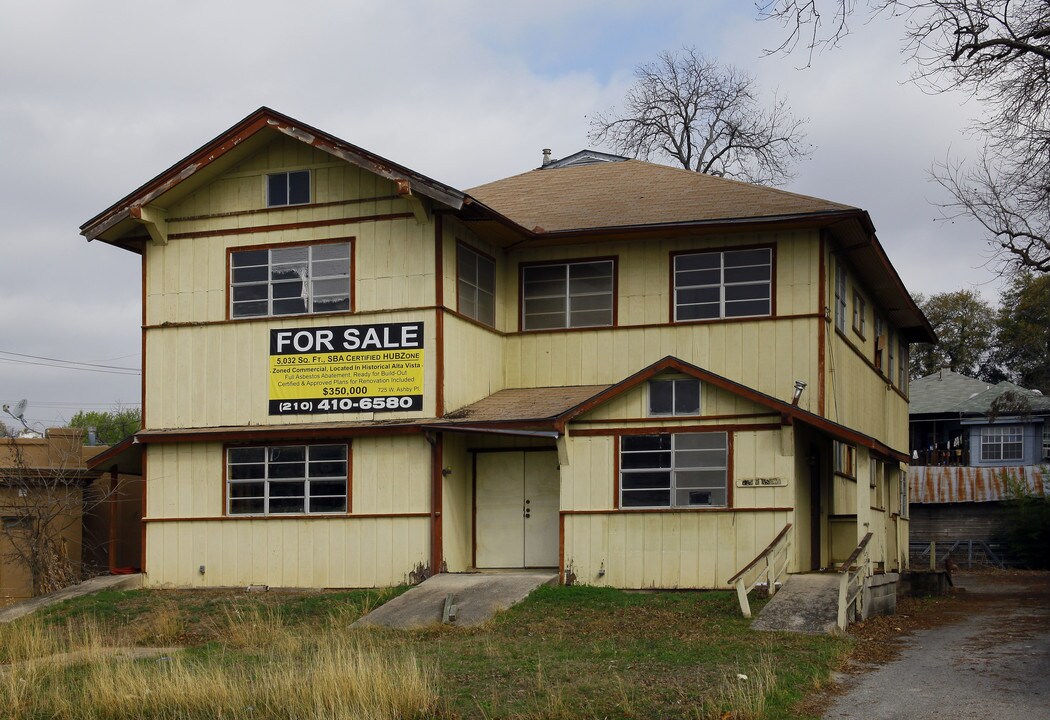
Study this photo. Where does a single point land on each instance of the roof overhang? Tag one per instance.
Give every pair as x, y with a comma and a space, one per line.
120, 223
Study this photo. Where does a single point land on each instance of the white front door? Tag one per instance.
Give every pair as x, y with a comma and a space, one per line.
517, 509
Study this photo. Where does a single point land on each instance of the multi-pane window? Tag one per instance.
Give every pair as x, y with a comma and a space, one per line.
290, 280
286, 479
679, 396
1046, 439
845, 459
288, 188
477, 285
567, 295
903, 486
889, 354
733, 283
1002, 442
840, 295
673, 470
903, 367
860, 311
880, 342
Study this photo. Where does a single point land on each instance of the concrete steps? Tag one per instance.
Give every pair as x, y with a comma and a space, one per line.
477, 597
806, 603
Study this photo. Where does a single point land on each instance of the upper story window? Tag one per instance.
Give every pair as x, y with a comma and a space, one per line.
1002, 442
860, 313
290, 280
731, 283
288, 188
674, 470
880, 342
567, 295
477, 285
845, 459
840, 295
903, 366
680, 396
889, 354
287, 479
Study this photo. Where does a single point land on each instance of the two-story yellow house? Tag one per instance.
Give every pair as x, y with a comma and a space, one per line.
355, 375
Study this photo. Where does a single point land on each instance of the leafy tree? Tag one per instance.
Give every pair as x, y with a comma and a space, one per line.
706, 117
110, 427
1023, 331
965, 327
997, 51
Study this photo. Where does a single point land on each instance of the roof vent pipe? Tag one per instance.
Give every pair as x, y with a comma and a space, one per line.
944, 366
546, 157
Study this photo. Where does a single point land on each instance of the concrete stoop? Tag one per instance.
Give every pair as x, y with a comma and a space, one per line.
806, 603
477, 597
94, 585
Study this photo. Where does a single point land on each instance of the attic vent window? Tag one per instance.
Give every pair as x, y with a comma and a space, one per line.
288, 188
680, 396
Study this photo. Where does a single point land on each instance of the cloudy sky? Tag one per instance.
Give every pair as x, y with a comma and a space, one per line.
96, 98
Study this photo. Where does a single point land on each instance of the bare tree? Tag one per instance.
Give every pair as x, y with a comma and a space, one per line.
999, 52
706, 117
42, 500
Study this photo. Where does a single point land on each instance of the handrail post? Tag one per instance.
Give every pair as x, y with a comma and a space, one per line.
843, 591
741, 595
770, 575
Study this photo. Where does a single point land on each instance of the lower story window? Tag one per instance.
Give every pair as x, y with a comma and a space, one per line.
286, 479
1001, 442
674, 470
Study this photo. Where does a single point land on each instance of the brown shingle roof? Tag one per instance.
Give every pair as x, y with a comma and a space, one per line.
631, 193
520, 404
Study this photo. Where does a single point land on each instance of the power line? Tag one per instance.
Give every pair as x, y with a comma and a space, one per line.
67, 367
69, 362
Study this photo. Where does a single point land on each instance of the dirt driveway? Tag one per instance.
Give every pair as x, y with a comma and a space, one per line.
993, 663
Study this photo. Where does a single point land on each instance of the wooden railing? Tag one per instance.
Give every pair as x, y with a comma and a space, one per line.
854, 571
776, 557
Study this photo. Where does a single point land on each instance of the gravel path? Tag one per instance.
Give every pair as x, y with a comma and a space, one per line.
995, 663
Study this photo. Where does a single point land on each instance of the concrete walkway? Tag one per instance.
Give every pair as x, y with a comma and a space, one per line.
94, 585
478, 596
993, 663
807, 603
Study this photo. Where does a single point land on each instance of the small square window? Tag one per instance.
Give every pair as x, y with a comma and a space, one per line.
288, 188
680, 396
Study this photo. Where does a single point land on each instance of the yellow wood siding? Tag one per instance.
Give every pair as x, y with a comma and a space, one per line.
390, 475
633, 405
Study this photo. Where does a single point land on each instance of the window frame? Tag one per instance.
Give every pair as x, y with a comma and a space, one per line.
999, 439
479, 254
722, 317
844, 459
860, 312
841, 289
903, 365
614, 292
674, 382
228, 481
288, 180
1046, 439
232, 250
672, 487
879, 326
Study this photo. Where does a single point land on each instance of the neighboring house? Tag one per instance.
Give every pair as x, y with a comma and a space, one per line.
354, 375
974, 444
42, 480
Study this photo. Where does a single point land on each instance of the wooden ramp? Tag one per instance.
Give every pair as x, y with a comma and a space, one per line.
806, 603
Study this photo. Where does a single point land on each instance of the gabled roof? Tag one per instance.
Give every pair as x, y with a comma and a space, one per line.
583, 157
948, 392
633, 193
263, 121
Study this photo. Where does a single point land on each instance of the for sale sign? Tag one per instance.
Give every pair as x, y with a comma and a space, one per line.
346, 369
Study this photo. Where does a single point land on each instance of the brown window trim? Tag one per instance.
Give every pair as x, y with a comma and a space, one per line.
495, 282
772, 283
568, 261
859, 313
730, 473
349, 479
278, 246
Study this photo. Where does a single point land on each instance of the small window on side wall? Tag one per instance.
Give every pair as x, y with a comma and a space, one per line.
678, 396
477, 285
288, 188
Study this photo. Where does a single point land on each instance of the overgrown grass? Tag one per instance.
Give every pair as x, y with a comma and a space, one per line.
574, 652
